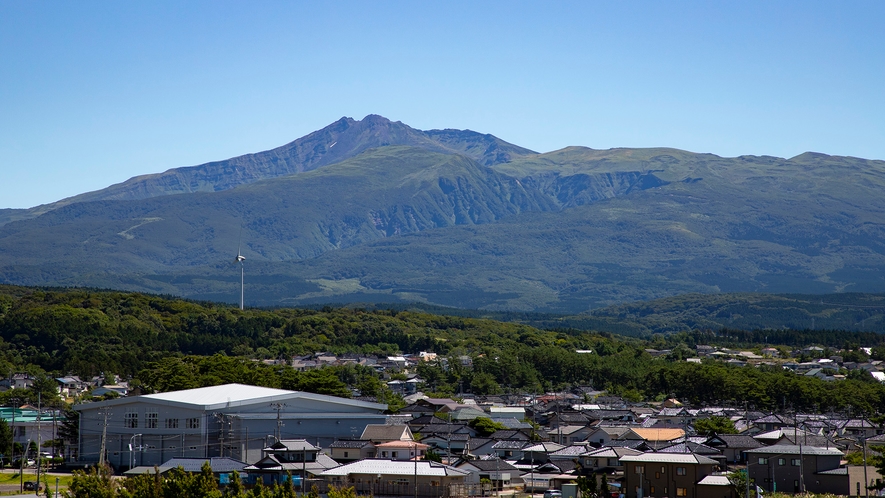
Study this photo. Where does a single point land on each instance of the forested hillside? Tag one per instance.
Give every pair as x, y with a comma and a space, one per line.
165, 344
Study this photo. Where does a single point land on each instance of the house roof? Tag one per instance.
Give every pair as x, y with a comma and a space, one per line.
791, 449
655, 434
733, 441
380, 432
218, 464
494, 464
668, 458
350, 443
714, 481
292, 445
612, 452
376, 466
690, 447
402, 444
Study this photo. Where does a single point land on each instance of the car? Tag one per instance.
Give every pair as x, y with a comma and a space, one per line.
30, 486
553, 493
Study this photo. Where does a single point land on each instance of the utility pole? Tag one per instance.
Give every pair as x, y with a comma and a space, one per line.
39, 412
104, 434
415, 446
279, 407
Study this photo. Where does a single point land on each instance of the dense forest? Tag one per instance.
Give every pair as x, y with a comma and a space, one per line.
164, 344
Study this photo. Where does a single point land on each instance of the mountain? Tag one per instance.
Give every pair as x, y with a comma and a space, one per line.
340, 140
456, 218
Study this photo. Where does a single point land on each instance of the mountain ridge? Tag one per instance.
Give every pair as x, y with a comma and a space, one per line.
340, 140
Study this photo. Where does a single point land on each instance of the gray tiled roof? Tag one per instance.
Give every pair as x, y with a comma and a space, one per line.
218, 464
791, 449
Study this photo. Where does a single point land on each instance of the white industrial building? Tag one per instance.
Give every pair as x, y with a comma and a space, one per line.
231, 420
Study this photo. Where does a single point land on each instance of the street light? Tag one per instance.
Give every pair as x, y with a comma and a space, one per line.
132, 450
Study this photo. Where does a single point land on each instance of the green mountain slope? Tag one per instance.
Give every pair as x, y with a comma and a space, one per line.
381, 193
337, 142
566, 231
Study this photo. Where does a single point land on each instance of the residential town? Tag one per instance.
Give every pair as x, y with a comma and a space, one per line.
467, 446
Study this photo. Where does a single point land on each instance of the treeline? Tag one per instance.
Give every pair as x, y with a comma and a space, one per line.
163, 344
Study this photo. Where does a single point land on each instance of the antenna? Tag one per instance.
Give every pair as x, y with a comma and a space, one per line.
239, 259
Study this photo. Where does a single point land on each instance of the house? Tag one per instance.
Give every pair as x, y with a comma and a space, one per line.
349, 450
606, 459
401, 450
71, 385
219, 466
733, 446
570, 434
384, 433
214, 421
290, 457
604, 435
667, 475
501, 473
796, 469
655, 437
396, 477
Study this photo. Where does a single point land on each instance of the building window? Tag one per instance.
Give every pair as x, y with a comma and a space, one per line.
130, 421
640, 469
680, 471
193, 423
781, 461
681, 491
652, 490
657, 475
345, 454
763, 461
392, 454
794, 462
150, 420
172, 423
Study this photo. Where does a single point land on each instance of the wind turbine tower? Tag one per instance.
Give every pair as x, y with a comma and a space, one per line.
239, 259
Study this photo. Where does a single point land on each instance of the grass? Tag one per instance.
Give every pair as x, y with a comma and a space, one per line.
11, 477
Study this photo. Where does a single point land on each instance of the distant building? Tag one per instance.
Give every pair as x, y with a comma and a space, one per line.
231, 420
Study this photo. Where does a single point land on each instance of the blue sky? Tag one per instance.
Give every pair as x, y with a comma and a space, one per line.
92, 93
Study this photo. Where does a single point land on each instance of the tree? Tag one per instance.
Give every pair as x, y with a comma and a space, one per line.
485, 426
96, 482
5, 440
342, 492
714, 425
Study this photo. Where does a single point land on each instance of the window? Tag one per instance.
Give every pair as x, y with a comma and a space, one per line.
680, 471
681, 491
172, 423
651, 490
345, 454
794, 462
763, 461
193, 423
657, 475
192, 448
392, 454
130, 420
640, 469
781, 461
150, 420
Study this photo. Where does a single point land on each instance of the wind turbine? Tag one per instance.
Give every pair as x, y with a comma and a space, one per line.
239, 259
